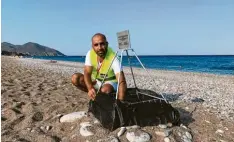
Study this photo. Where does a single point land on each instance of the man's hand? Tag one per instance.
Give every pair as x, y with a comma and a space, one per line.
92, 93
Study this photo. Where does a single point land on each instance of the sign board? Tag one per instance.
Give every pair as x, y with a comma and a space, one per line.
123, 39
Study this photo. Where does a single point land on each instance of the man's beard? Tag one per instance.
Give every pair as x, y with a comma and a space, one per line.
101, 54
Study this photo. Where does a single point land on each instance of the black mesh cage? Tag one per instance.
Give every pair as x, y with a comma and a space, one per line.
140, 107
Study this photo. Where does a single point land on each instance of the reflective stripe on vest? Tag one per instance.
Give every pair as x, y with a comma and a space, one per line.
99, 74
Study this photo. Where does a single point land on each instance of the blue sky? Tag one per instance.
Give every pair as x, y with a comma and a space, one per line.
157, 27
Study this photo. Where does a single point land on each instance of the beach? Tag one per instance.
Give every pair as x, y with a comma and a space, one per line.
36, 93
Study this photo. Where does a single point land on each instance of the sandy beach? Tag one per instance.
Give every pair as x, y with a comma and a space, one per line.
36, 93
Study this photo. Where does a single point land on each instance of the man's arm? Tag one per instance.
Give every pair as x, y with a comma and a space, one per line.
88, 81
122, 85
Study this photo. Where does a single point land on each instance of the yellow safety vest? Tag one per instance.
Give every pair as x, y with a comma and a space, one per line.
99, 74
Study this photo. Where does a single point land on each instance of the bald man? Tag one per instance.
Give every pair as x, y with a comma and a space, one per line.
97, 63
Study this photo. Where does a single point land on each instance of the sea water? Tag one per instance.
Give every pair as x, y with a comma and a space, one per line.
215, 64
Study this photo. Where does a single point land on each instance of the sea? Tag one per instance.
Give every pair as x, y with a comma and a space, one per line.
213, 64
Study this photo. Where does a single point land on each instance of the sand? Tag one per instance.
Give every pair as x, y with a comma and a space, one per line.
36, 93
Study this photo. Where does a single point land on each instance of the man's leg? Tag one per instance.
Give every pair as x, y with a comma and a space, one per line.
107, 88
78, 81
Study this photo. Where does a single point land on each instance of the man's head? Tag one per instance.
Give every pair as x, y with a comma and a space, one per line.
99, 44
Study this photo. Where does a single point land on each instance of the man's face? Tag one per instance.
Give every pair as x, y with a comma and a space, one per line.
99, 45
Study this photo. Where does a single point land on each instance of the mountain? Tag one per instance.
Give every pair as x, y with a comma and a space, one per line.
30, 48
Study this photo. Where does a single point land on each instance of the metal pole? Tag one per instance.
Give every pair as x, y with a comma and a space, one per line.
120, 64
107, 71
148, 73
129, 62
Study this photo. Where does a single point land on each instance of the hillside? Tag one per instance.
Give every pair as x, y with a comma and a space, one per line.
30, 48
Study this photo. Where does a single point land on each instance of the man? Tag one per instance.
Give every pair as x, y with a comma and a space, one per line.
97, 62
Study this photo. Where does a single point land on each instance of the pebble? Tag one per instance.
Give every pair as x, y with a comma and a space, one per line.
109, 139
84, 129
166, 139
29, 129
188, 135
162, 126
169, 125
96, 121
48, 128
165, 133
133, 127
121, 132
143, 137
182, 125
73, 116
219, 131
207, 121
38, 116
187, 140
179, 134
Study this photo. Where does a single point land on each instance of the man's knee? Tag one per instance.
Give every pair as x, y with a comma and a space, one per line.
107, 88
76, 78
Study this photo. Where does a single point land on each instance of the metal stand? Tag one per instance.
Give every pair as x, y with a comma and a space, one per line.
122, 50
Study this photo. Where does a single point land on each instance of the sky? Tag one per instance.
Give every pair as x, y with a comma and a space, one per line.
157, 27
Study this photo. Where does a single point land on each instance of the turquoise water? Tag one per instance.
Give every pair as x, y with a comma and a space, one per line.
215, 64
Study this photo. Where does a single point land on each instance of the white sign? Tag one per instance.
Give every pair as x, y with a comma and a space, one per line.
123, 39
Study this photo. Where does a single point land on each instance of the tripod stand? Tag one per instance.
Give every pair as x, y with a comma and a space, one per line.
121, 58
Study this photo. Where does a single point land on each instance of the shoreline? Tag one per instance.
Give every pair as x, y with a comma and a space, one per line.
183, 71
32, 86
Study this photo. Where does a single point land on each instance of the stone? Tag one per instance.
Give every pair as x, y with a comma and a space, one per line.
140, 137
219, 131
73, 116
160, 133
165, 133
121, 132
96, 121
166, 139
85, 129
188, 135
48, 128
133, 127
162, 126
38, 116
182, 125
169, 125
109, 139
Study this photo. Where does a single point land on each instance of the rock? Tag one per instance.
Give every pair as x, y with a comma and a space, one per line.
185, 139
96, 121
165, 133
219, 131
159, 133
38, 116
48, 128
188, 135
138, 136
182, 125
73, 116
207, 121
121, 132
133, 127
162, 126
85, 129
42, 127
109, 139
169, 125
166, 139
